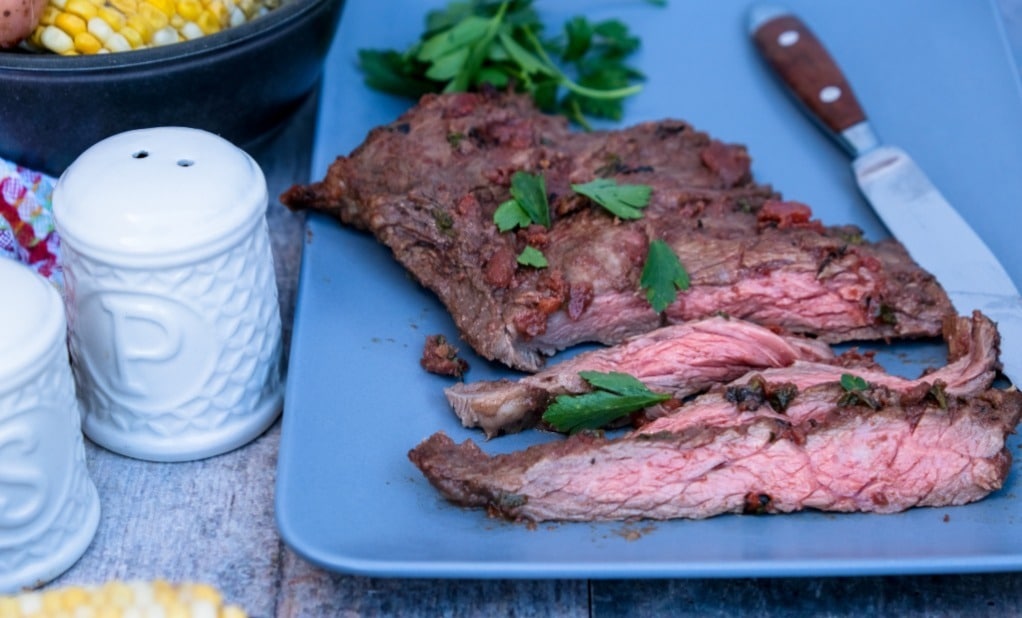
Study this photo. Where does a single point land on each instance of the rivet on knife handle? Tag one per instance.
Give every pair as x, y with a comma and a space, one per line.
803, 63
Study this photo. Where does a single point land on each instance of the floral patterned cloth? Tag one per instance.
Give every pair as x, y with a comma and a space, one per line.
26, 220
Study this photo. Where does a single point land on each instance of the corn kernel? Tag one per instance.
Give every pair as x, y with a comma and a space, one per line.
9, 608
176, 610
190, 30
208, 22
56, 40
126, 7
116, 43
153, 16
131, 37
165, 36
205, 592
98, 28
114, 18
202, 609
74, 596
71, 24
81, 8
165, 6
49, 15
141, 26
117, 593
86, 43
189, 10
220, 11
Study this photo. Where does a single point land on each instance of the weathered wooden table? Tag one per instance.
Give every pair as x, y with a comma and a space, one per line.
213, 521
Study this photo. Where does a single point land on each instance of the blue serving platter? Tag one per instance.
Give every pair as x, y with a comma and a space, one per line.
935, 76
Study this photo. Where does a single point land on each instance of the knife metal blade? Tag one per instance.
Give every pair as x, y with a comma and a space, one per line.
907, 202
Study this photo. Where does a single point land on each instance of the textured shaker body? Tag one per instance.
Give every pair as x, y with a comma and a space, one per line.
49, 508
175, 330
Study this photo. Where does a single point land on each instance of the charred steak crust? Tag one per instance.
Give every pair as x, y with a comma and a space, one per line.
427, 186
820, 455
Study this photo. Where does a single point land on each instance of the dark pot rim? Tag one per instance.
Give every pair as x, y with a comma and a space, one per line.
276, 20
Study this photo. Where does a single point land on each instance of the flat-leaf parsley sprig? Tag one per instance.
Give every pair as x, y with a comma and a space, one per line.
663, 276
528, 205
582, 72
614, 395
624, 201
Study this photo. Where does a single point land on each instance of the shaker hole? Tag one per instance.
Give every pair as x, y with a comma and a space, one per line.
185, 162
141, 154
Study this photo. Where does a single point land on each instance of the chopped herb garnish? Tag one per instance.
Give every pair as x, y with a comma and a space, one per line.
615, 395
529, 190
887, 314
938, 394
528, 203
582, 72
662, 276
853, 383
624, 201
856, 392
756, 392
510, 215
531, 256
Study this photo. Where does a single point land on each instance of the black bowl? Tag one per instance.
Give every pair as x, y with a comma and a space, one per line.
241, 83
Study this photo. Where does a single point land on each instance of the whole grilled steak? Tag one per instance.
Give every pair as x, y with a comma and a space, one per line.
427, 186
824, 451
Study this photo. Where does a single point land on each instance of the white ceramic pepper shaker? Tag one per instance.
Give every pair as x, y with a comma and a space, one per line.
171, 296
49, 508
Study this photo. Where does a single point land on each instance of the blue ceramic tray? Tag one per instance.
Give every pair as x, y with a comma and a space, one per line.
935, 76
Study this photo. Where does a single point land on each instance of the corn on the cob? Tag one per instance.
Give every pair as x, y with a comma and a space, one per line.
121, 600
72, 27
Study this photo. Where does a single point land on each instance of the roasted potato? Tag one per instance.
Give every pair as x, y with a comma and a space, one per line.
17, 20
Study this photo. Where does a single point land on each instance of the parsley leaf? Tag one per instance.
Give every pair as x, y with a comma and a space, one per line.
470, 43
528, 203
531, 256
856, 392
529, 190
662, 276
852, 383
615, 395
624, 201
510, 215
389, 71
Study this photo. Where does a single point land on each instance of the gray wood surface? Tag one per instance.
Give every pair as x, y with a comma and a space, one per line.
213, 521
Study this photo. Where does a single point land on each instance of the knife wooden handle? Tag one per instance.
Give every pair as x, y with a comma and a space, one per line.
805, 66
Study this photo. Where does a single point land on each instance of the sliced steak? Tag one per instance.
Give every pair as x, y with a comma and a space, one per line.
823, 453
427, 186
681, 360
686, 359
973, 351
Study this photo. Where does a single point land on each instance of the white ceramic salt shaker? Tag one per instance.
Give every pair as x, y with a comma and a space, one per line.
170, 292
49, 508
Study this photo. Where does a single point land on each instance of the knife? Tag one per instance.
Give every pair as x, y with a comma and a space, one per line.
910, 206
